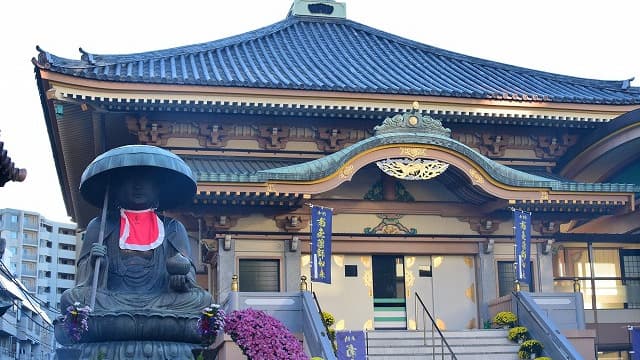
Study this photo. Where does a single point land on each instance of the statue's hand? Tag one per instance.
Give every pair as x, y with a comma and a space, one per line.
98, 250
178, 283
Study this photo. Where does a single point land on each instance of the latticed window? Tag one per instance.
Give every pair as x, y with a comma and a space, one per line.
630, 264
507, 277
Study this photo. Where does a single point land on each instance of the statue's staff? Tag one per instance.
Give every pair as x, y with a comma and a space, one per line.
96, 271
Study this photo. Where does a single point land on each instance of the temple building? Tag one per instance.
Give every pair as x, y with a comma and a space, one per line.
422, 153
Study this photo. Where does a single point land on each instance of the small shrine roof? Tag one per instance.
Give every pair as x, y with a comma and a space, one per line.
336, 54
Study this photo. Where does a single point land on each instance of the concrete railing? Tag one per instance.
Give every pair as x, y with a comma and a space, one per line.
541, 328
296, 310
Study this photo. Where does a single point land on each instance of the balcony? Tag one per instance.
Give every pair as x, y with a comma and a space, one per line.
28, 272
30, 256
29, 241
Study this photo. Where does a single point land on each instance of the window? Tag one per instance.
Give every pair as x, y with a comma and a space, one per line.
259, 275
30, 237
30, 221
14, 219
62, 261
507, 278
64, 231
630, 266
67, 247
65, 276
351, 270
29, 283
573, 262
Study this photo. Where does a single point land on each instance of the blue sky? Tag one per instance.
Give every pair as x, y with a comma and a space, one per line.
593, 39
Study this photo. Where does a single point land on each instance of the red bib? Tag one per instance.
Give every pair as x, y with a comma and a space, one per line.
140, 230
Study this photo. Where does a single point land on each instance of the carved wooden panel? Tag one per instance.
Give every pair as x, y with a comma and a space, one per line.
553, 146
213, 135
149, 132
482, 226
273, 137
291, 222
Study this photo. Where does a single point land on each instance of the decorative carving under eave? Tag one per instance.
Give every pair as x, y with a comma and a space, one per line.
291, 223
546, 227
216, 223
148, 132
331, 139
492, 145
273, 137
553, 146
212, 135
390, 224
482, 226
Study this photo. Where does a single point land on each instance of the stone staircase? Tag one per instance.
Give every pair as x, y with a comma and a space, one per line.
490, 344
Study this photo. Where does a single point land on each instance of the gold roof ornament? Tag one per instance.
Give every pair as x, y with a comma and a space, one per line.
412, 122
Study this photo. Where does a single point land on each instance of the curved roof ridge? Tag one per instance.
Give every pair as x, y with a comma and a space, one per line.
91, 59
482, 61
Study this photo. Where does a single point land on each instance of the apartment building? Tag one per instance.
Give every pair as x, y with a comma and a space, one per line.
38, 264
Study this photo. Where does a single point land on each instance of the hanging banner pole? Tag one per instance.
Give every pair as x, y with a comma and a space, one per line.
522, 236
321, 223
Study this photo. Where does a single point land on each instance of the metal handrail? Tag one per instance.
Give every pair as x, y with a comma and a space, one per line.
434, 325
557, 345
326, 328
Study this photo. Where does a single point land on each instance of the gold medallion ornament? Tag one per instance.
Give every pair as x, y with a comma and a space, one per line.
346, 172
476, 178
408, 169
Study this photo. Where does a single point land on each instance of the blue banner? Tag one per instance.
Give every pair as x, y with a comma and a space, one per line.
522, 233
351, 345
635, 342
321, 244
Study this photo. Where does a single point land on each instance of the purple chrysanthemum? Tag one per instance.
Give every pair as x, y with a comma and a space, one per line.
261, 336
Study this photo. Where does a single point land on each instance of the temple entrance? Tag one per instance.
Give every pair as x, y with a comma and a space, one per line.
389, 302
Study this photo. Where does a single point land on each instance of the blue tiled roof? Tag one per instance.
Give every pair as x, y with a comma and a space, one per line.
331, 54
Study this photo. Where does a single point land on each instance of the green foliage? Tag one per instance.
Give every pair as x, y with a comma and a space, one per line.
316, 358
505, 318
543, 358
530, 347
518, 333
328, 318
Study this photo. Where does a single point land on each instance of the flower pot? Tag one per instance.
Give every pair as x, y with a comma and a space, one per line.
68, 354
207, 354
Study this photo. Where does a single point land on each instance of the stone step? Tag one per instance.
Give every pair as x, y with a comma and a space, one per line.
466, 344
437, 342
489, 333
462, 349
430, 356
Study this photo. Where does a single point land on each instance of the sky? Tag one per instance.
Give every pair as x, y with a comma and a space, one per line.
589, 38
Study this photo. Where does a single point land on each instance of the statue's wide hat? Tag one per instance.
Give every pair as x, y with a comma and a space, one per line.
175, 179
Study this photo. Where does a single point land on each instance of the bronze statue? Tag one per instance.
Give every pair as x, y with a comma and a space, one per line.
145, 300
